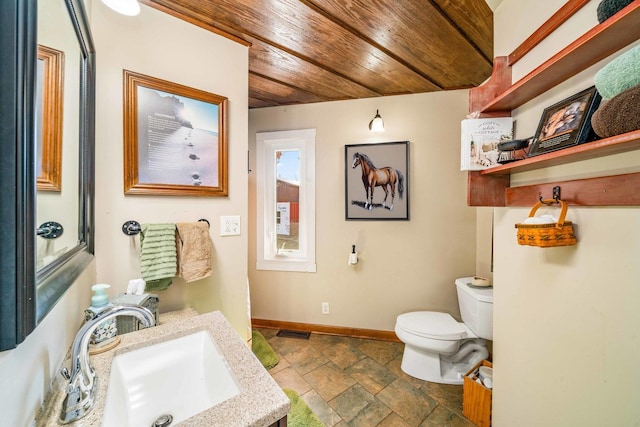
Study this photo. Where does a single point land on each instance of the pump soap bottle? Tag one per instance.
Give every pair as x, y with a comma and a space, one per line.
105, 337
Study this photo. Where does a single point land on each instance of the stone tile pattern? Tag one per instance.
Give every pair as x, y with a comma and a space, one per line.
358, 382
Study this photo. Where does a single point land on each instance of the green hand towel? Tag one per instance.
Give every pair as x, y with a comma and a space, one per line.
158, 256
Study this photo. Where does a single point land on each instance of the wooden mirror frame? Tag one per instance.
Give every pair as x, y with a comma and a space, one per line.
49, 177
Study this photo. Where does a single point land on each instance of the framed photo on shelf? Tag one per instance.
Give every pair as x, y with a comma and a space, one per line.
566, 123
377, 181
175, 139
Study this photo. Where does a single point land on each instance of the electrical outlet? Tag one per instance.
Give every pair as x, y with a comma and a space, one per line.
325, 308
230, 225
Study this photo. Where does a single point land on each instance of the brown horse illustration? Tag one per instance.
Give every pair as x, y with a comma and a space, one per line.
373, 177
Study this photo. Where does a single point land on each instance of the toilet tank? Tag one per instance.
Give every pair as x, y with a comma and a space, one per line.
476, 307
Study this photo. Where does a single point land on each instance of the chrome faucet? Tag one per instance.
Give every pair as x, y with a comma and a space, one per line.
82, 378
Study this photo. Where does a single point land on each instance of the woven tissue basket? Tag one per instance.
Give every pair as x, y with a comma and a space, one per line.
547, 235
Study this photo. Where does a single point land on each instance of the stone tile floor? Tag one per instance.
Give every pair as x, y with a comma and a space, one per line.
358, 382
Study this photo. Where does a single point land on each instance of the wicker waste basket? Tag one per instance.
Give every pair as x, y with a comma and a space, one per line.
547, 235
476, 398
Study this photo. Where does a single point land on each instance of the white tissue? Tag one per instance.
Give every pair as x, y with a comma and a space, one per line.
136, 287
542, 219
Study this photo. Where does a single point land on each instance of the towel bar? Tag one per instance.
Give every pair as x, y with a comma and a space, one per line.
131, 227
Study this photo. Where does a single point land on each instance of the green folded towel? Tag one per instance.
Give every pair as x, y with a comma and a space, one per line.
620, 74
608, 8
619, 115
158, 256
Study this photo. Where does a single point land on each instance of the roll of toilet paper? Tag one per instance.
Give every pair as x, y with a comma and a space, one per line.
480, 281
353, 258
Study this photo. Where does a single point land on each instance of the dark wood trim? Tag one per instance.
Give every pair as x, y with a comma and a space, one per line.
614, 190
555, 21
325, 329
282, 422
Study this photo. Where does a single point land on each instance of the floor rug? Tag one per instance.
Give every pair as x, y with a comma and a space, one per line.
263, 350
300, 414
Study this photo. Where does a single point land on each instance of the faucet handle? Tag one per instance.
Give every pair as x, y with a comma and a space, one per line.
65, 373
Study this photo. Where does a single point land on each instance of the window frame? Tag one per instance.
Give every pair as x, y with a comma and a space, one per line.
268, 256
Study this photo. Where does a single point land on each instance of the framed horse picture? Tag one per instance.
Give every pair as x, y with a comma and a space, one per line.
377, 181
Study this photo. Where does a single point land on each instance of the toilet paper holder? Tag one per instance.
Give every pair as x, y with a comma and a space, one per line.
353, 256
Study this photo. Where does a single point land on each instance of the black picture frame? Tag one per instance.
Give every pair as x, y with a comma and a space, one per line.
388, 159
566, 123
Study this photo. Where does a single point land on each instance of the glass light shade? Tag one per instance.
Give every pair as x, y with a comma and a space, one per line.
124, 7
376, 125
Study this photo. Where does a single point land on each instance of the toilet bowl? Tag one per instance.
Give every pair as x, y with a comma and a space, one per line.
440, 349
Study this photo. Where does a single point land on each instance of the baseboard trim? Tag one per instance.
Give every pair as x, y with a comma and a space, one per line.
328, 330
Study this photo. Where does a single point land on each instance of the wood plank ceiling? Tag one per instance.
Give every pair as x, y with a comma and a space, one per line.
304, 51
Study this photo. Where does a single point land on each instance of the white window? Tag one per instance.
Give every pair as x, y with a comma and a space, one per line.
286, 200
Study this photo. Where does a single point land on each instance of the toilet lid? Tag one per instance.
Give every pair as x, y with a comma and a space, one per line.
431, 324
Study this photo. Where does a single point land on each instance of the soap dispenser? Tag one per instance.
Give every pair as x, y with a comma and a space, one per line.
107, 331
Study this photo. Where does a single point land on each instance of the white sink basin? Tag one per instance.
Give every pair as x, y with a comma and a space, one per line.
180, 377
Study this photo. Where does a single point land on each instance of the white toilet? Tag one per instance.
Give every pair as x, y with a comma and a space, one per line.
440, 349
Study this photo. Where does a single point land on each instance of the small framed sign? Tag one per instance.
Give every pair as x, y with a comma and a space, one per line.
566, 123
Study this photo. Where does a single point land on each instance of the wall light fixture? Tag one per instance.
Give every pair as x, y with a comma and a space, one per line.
124, 7
376, 125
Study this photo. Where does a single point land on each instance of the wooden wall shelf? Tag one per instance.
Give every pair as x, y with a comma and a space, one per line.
497, 97
596, 44
591, 150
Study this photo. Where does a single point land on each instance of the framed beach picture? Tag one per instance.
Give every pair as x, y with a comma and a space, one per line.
377, 181
566, 123
175, 139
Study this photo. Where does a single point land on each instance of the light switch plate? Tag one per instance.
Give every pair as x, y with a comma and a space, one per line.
230, 225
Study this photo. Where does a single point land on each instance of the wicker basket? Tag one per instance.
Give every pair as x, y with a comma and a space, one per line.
547, 235
476, 398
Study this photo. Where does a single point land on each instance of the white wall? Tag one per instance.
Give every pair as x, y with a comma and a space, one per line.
27, 371
566, 345
404, 265
161, 46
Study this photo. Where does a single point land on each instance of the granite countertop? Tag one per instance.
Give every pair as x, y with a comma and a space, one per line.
261, 401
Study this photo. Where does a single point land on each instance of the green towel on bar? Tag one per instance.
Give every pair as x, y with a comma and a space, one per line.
158, 256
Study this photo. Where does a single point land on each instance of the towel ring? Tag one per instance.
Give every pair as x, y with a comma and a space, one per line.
205, 220
131, 228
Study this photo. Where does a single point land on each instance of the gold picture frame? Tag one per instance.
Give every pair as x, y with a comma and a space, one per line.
175, 139
49, 95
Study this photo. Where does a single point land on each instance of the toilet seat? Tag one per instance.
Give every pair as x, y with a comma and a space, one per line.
432, 325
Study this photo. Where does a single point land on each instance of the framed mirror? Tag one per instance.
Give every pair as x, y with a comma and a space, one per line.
37, 271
